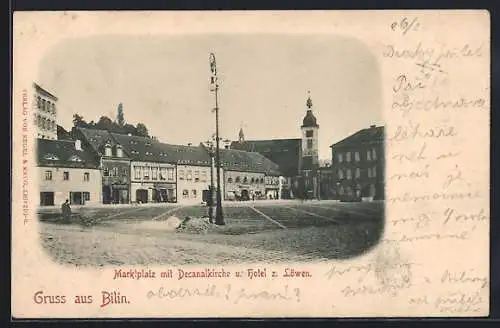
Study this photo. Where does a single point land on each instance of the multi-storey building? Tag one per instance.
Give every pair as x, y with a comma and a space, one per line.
66, 171
297, 158
45, 113
249, 175
153, 171
114, 164
358, 165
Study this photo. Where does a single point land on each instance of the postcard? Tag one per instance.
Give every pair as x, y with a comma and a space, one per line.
175, 164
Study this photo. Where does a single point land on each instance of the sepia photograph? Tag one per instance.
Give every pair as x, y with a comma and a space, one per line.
209, 149
250, 164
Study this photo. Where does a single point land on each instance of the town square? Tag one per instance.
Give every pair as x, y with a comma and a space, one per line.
119, 190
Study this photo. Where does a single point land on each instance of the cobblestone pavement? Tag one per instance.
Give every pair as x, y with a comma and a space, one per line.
254, 232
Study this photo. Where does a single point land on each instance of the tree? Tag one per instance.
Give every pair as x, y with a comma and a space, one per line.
129, 129
78, 121
120, 119
142, 130
105, 123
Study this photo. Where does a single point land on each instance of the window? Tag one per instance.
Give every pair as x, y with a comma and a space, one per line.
145, 173
369, 155
369, 172
163, 173
374, 171
339, 157
43, 104
66, 175
356, 156
115, 172
238, 179
341, 174
348, 156
48, 175
203, 175
374, 155
193, 192
86, 176
252, 180
170, 174
180, 174
75, 158
51, 157
54, 108
119, 152
261, 180
348, 173
245, 180
309, 143
105, 172
358, 173
86, 196
107, 151
229, 180
189, 175
154, 173
309, 133
196, 176
39, 102
185, 193
137, 172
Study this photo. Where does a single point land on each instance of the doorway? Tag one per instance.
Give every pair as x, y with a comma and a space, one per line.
46, 198
141, 195
75, 198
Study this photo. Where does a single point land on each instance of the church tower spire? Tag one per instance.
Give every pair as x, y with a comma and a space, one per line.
310, 161
241, 135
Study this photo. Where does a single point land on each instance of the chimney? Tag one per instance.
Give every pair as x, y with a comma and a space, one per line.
78, 144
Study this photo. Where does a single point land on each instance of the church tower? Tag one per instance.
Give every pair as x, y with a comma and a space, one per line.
310, 161
241, 136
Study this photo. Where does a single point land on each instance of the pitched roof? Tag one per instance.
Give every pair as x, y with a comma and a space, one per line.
373, 134
240, 160
97, 139
284, 152
141, 149
62, 153
62, 134
44, 91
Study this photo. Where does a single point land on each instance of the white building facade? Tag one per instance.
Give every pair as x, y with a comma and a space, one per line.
44, 113
152, 182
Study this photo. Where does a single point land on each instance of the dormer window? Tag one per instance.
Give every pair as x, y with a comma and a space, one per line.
51, 157
75, 158
119, 151
107, 150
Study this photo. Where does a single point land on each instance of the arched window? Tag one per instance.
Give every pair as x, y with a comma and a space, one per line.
245, 180
238, 179
230, 179
252, 180
43, 104
261, 180
39, 103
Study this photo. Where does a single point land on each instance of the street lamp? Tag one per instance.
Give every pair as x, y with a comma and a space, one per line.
210, 201
219, 218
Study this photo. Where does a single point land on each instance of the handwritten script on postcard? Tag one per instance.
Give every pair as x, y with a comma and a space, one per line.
432, 259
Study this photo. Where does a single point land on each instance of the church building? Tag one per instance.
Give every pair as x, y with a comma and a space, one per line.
297, 158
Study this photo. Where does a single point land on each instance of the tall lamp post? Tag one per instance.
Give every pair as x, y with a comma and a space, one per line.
211, 188
219, 217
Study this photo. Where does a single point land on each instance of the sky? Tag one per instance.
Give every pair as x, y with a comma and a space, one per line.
163, 82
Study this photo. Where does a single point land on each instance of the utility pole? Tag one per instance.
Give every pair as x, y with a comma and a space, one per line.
211, 188
219, 217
